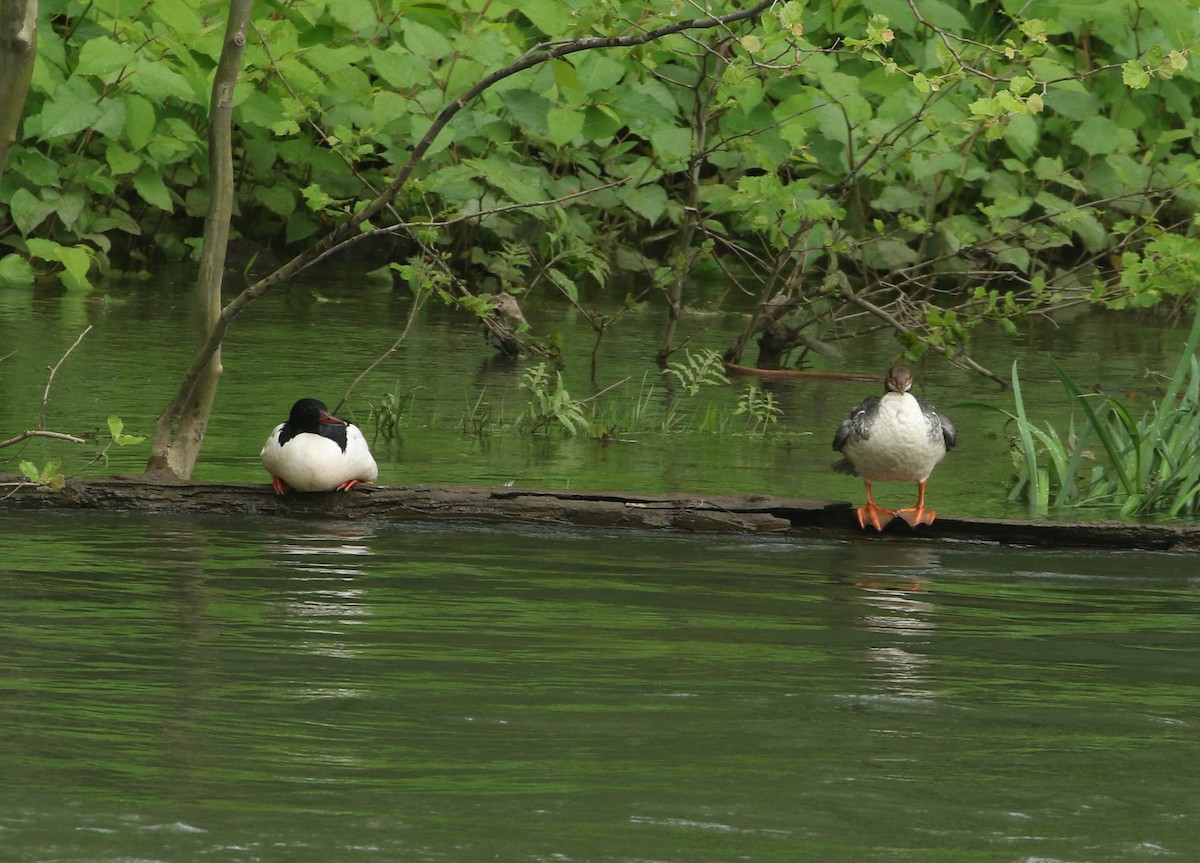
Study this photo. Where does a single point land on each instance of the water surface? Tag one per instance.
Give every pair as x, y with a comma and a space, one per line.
292, 344
190, 689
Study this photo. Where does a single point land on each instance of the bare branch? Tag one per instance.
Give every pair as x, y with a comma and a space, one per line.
412, 316
53, 372
25, 435
900, 327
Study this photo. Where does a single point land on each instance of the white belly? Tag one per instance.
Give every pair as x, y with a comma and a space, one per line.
310, 462
900, 446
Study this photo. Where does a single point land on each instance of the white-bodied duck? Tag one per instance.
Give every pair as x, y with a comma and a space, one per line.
894, 437
315, 451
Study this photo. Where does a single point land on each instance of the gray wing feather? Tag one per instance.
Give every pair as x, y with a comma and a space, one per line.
938, 424
855, 424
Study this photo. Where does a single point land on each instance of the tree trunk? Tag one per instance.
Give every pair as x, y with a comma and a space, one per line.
18, 48
180, 430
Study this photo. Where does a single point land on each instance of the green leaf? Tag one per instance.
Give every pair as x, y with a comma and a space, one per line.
672, 144
139, 120
100, 56
649, 202
15, 270
27, 210
67, 114
357, 16
388, 107
149, 184
552, 17
158, 82
116, 427
528, 109
30, 471
398, 68
564, 284
564, 125
1097, 135
425, 41
121, 160
179, 16
1021, 135
597, 72
76, 261
1135, 76
279, 199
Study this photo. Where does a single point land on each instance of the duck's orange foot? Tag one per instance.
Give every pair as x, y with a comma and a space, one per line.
348, 484
917, 515
280, 486
876, 516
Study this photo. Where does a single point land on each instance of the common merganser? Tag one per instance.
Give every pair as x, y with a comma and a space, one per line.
315, 451
894, 437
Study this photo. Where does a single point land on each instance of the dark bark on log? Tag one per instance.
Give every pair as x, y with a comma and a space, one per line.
683, 512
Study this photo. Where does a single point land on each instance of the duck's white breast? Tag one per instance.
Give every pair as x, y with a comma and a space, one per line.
311, 462
901, 445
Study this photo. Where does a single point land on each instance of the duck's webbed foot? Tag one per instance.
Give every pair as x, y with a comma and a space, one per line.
874, 515
916, 515
279, 485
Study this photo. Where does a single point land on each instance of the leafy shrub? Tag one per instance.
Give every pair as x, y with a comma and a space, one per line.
934, 164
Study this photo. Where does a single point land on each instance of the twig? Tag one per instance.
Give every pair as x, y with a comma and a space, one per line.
595, 396
50, 380
899, 327
25, 435
412, 316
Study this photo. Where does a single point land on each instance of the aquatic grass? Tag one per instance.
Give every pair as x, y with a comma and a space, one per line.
391, 414
1149, 466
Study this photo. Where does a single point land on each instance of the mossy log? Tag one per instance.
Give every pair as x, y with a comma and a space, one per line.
682, 512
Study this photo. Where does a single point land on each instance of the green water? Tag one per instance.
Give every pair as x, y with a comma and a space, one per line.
206, 689
287, 345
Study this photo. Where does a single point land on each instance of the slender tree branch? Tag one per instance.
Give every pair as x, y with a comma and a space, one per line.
900, 327
53, 372
25, 435
418, 302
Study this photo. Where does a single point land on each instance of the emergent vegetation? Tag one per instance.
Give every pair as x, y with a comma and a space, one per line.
1149, 466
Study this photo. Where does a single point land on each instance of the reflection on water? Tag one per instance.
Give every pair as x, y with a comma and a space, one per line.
205, 689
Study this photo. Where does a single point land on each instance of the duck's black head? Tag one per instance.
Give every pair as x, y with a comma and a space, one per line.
899, 380
310, 414
313, 416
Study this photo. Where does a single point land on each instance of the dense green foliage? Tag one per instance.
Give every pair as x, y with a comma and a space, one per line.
930, 164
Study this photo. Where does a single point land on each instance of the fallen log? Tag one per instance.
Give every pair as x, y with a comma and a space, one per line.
673, 511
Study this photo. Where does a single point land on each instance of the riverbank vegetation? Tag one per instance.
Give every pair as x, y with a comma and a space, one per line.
923, 165
920, 166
